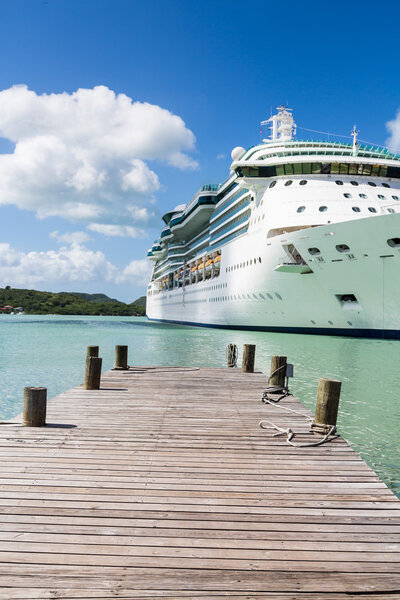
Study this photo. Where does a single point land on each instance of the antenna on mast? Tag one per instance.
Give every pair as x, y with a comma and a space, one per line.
354, 133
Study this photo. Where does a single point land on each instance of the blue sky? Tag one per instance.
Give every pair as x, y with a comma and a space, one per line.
220, 66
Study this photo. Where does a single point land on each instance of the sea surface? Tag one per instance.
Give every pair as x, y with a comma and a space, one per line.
50, 351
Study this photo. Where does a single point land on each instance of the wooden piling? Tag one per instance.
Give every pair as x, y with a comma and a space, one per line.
92, 351
231, 355
92, 373
249, 351
35, 402
327, 406
121, 358
278, 371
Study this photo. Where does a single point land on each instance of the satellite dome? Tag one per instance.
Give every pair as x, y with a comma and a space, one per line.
237, 152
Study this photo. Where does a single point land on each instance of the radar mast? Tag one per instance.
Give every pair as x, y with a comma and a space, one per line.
282, 125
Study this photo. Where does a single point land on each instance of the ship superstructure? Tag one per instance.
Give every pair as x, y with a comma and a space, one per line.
303, 236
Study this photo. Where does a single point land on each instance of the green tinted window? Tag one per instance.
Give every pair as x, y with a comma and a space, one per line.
344, 168
316, 168
383, 171
307, 168
280, 170
366, 169
289, 169
375, 170
335, 168
353, 170
297, 169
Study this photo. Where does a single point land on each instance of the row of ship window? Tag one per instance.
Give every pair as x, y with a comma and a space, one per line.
355, 208
246, 263
380, 196
338, 182
244, 297
392, 242
344, 168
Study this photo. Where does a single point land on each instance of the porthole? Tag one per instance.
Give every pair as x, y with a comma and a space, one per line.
330, 322
323, 208
342, 248
301, 209
394, 242
355, 208
314, 251
313, 322
395, 197
347, 195
278, 296
338, 182
269, 296
363, 196
390, 210
381, 196
259, 259
349, 323
372, 183
303, 182
372, 209
354, 182
271, 185
288, 182
385, 185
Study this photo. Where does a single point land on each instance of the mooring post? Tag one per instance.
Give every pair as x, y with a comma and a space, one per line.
231, 355
92, 351
278, 371
327, 406
35, 402
92, 373
121, 358
249, 351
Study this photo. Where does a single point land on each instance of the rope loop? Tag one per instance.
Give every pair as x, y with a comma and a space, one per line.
231, 355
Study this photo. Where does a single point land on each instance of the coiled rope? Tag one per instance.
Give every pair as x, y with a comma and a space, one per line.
231, 355
288, 431
275, 389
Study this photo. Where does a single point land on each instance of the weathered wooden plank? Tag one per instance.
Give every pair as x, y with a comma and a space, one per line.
182, 495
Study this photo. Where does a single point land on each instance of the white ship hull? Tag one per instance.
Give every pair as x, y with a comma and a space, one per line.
304, 298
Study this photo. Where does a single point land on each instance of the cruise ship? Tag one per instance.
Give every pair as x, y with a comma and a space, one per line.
302, 237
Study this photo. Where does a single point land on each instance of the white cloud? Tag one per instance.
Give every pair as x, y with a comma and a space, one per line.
221, 156
84, 156
393, 142
117, 230
73, 237
137, 271
74, 263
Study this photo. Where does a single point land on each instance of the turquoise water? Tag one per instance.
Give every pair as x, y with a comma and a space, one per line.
50, 351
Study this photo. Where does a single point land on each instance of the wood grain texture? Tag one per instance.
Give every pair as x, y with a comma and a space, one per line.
162, 485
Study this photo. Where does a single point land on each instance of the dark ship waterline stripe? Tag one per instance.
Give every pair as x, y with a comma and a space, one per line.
392, 334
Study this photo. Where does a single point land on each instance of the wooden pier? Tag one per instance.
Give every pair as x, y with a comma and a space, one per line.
162, 485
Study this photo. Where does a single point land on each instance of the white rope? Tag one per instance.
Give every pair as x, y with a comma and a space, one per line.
290, 435
288, 431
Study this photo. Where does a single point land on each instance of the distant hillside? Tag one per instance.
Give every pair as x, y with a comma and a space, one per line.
65, 303
141, 302
92, 297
